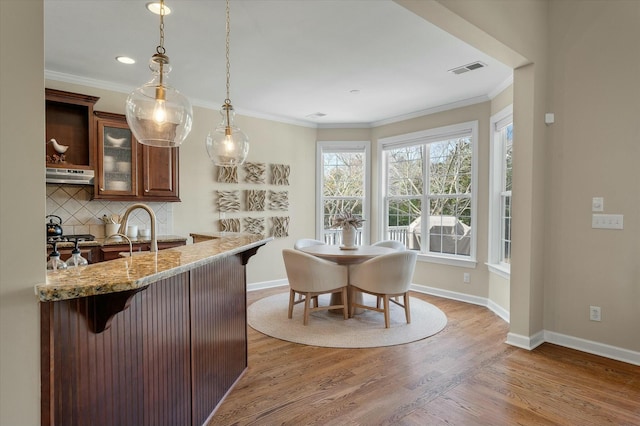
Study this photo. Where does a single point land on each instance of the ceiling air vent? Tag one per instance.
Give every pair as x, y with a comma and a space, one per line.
469, 67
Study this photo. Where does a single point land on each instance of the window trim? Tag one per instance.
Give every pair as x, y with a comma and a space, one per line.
423, 137
344, 146
496, 153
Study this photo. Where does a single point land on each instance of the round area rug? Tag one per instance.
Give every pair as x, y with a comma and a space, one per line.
365, 330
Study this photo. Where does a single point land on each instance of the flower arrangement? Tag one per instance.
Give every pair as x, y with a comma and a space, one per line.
346, 219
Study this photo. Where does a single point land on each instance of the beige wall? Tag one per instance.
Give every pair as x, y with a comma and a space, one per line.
270, 143
22, 208
502, 100
594, 152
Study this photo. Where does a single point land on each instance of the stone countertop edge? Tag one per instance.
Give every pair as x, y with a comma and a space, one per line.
140, 271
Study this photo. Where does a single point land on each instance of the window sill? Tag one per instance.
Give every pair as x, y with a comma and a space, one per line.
464, 263
503, 271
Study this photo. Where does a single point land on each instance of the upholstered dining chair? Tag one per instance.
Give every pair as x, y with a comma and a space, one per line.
385, 277
306, 242
397, 245
311, 276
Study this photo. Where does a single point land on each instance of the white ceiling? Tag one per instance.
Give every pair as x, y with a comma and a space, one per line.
289, 58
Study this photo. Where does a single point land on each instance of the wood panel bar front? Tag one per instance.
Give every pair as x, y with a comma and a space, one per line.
136, 372
169, 358
218, 333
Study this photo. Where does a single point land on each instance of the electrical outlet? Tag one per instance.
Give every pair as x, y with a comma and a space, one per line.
466, 277
594, 313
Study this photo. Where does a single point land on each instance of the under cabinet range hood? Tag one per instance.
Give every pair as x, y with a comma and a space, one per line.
70, 176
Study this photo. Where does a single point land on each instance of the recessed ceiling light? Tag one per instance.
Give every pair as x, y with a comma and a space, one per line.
316, 115
125, 60
154, 7
354, 91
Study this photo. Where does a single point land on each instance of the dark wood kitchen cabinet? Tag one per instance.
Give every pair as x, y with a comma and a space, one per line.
102, 253
90, 253
129, 171
110, 252
69, 120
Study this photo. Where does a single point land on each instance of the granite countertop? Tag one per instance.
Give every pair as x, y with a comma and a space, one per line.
141, 270
213, 234
100, 242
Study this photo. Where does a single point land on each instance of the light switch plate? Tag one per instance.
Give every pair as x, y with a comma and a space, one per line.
607, 221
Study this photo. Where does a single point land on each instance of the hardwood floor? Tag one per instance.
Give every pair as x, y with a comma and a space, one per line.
465, 375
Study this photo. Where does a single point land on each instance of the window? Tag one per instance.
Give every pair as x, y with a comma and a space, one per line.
343, 187
428, 190
500, 201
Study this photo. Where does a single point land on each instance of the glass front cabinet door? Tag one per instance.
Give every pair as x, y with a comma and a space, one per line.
117, 158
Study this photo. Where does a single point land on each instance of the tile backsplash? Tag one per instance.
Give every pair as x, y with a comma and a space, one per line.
81, 215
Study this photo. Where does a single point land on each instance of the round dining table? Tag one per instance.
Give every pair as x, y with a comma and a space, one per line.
344, 256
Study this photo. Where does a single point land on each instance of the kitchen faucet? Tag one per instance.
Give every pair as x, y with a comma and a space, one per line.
125, 219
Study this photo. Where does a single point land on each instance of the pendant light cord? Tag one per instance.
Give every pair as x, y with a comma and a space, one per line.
160, 49
227, 101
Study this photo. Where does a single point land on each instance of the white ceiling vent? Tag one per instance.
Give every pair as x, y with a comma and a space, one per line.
469, 67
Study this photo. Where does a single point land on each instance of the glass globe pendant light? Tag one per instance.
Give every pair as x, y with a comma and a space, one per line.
158, 114
227, 145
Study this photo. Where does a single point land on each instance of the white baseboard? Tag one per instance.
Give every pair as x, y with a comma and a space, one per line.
525, 342
267, 284
474, 300
518, 340
447, 294
499, 310
596, 348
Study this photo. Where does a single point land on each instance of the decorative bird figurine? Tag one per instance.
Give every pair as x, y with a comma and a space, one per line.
115, 141
60, 149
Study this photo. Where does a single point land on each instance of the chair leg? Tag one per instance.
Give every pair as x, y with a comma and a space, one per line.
407, 311
350, 301
292, 295
386, 311
307, 302
345, 303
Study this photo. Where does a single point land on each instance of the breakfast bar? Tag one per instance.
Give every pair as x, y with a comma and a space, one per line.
157, 338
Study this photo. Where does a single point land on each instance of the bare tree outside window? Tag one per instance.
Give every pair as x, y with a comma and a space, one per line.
343, 188
430, 182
